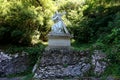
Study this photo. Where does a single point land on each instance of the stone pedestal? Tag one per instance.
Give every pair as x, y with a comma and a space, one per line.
60, 40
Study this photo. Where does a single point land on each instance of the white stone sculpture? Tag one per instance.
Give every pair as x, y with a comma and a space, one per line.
59, 26
59, 37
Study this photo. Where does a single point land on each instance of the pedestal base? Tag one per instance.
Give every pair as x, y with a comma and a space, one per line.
59, 40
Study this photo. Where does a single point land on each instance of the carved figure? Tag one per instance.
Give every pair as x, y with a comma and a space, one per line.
59, 26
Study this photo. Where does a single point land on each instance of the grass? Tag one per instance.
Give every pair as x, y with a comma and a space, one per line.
80, 46
27, 72
112, 70
12, 49
28, 77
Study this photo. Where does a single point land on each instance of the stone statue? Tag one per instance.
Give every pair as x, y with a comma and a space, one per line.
59, 26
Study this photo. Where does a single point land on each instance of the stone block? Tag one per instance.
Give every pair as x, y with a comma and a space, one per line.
59, 40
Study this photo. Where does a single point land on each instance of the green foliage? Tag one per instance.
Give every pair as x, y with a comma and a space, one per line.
113, 54
28, 77
112, 70
94, 20
35, 49
3, 30
19, 20
87, 20
15, 17
74, 18
114, 36
98, 46
79, 46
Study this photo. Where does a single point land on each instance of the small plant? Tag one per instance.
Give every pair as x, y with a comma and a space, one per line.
65, 65
28, 77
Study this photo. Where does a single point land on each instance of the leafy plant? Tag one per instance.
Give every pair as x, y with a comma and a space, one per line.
20, 19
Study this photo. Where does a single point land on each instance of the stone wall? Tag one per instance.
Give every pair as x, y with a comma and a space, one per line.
12, 64
61, 63
55, 63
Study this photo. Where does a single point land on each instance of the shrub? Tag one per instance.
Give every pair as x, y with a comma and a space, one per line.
20, 19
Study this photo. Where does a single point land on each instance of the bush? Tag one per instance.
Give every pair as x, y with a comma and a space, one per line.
87, 20
114, 36
20, 19
74, 18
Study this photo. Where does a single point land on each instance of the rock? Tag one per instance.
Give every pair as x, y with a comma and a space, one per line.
99, 62
85, 67
4, 57
59, 63
12, 64
110, 78
58, 71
